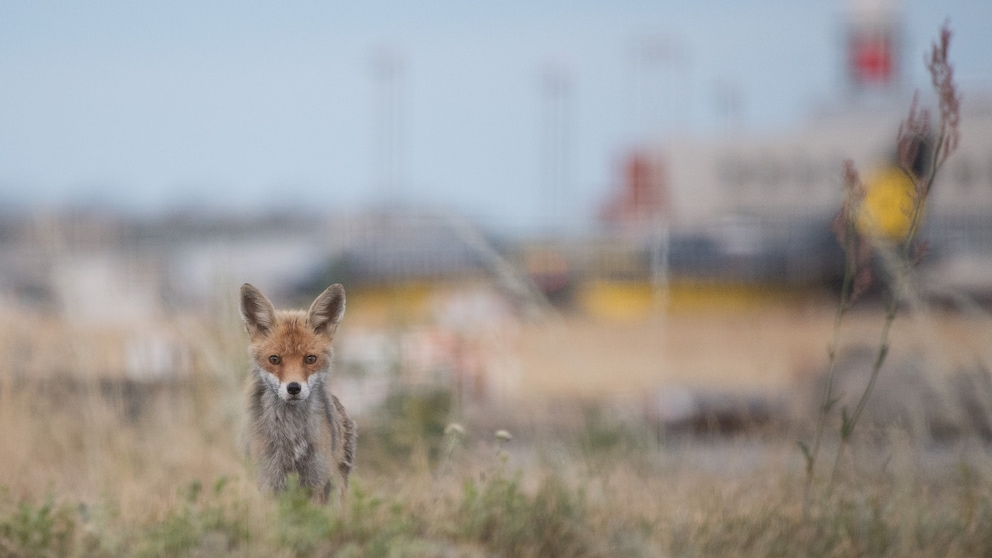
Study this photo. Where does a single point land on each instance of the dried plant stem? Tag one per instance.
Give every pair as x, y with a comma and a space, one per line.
849, 422
898, 257
828, 392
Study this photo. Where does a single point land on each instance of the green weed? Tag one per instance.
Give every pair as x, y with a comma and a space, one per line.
495, 512
199, 526
29, 529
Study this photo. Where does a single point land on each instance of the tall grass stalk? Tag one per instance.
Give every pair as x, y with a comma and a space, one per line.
847, 295
898, 256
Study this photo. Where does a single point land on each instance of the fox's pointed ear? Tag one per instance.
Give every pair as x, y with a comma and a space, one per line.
257, 312
327, 310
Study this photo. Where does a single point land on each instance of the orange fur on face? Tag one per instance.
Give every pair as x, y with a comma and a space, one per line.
291, 339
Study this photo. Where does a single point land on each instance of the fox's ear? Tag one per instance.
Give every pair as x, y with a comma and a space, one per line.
327, 310
257, 312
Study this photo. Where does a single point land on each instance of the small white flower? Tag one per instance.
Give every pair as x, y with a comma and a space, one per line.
454, 429
503, 436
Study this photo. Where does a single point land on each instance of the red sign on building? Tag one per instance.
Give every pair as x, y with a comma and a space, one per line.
871, 61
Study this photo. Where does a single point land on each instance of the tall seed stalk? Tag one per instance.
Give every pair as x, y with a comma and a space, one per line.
899, 257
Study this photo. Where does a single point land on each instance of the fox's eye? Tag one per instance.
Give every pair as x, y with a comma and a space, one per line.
274, 359
311, 359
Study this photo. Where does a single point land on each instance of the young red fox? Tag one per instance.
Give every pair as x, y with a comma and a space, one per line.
294, 424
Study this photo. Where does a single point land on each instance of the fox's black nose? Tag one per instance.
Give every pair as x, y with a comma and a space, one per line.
293, 388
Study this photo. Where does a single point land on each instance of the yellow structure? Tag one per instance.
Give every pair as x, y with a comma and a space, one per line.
887, 210
623, 301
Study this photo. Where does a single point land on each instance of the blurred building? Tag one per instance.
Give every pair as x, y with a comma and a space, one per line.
744, 209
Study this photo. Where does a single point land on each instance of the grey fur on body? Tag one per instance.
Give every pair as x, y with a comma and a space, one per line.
283, 436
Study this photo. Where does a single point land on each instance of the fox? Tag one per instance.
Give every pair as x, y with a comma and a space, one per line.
294, 424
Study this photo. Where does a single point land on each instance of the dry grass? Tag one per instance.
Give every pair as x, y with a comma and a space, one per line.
745, 349
86, 472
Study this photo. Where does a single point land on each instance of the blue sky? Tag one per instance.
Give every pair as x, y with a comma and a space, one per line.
244, 105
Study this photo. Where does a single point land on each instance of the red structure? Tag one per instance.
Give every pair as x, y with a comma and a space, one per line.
872, 44
643, 195
871, 59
